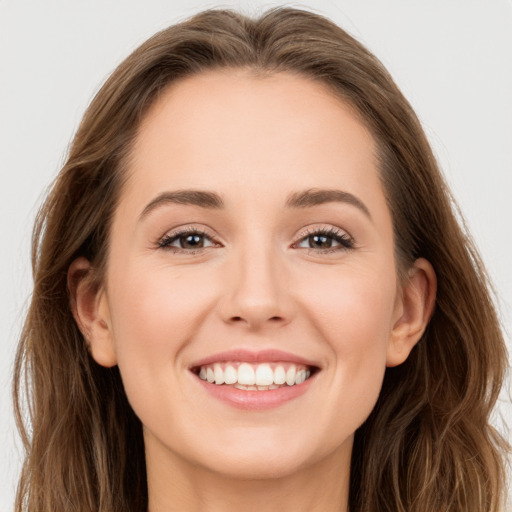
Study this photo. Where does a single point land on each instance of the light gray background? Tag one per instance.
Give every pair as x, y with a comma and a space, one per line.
452, 59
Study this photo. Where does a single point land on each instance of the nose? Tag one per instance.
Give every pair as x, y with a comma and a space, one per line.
257, 294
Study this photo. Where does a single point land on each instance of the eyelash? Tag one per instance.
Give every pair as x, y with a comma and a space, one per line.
337, 235
346, 241
167, 240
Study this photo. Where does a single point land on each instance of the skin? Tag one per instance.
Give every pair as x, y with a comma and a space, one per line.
257, 283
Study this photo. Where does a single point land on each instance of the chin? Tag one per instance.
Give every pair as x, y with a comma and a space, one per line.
267, 458
259, 466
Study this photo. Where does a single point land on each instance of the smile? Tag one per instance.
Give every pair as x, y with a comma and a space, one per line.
254, 377
255, 380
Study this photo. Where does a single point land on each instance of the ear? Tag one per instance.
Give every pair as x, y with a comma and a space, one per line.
90, 309
414, 309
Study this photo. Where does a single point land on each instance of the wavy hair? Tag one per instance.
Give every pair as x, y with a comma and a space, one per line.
428, 445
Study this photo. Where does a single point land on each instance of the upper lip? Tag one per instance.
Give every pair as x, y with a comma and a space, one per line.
259, 356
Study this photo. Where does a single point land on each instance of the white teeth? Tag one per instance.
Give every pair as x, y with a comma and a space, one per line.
230, 375
261, 377
246, 388
279, 375
218, 373
290, 376
255, 388
264, 375
246, 375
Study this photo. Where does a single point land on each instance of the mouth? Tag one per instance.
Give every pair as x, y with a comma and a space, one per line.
247, 376
255, 380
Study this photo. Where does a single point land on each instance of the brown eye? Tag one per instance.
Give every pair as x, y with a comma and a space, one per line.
320, 242
188, 240
191, 241
327, 239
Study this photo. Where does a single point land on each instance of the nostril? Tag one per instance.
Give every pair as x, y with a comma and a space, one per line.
271, 319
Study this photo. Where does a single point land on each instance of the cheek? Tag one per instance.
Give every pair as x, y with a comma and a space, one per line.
353, 308
154, 312
355, 318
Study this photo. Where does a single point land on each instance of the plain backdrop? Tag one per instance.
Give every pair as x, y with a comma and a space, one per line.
451, 58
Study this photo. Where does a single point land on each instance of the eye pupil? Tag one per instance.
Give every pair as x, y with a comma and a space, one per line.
191, 241
321, 241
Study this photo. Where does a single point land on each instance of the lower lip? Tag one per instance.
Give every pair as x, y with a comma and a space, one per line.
256, 400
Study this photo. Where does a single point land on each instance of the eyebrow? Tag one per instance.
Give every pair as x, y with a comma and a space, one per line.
315, 196
202, 198
296, 200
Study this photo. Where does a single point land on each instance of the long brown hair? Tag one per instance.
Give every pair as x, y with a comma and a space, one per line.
427, 446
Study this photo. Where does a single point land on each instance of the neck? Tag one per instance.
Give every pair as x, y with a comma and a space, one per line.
176, 485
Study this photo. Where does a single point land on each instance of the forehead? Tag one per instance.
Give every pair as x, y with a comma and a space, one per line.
234, 128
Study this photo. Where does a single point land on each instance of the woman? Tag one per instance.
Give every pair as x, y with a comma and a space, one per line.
251, 291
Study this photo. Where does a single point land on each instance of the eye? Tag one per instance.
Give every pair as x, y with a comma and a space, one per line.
326, 240
188, 240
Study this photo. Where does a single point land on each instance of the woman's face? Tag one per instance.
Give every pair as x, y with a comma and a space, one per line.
252, 233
